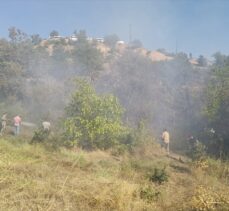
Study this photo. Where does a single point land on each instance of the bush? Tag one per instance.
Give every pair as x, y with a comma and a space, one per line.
39, 136
158, 176
49, 141
119, 150
93, 121
198, 151
149, 194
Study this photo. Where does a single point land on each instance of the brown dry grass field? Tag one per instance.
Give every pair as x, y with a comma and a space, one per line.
34, 177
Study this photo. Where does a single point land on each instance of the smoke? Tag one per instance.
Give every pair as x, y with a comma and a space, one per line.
47, 89
166, 94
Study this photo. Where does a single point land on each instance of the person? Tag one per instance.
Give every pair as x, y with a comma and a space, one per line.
17, 124
3, 125
46, 126
166, 139
192, 141
46, 129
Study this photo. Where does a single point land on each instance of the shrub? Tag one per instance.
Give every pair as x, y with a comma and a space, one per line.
198, 151
48, 139
40, 135
119, 150
149, 194
158, 175
93, 121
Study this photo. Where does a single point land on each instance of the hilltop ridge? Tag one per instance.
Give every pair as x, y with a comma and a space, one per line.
120, 47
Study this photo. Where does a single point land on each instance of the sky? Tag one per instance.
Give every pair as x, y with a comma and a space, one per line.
199, 27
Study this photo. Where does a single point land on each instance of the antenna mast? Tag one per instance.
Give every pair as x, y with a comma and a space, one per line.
130, 33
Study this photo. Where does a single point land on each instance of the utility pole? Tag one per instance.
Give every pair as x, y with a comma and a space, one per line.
130, 33
176, 46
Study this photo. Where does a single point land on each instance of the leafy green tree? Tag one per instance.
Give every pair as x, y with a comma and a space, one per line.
11, 71
93, 121
220, 59
218, 103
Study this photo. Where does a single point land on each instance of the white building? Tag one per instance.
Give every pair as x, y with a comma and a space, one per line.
120, 42
101, 40
73, 38
89, 39
57, 37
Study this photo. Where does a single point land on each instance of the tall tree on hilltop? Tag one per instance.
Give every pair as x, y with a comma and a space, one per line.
54, 33
36, 39
202, 61
17, 35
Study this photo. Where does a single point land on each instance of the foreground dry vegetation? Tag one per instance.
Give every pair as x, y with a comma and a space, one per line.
33, 177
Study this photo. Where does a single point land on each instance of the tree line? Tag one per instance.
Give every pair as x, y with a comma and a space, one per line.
186, 99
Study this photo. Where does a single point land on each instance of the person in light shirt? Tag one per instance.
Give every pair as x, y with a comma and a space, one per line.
17, 124
46, 126
166, 139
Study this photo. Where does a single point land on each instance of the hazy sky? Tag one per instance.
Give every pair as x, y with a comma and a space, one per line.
198, 26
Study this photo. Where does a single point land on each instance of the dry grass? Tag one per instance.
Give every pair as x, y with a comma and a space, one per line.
34, 178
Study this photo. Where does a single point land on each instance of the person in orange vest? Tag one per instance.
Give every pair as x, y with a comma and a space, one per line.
166, 139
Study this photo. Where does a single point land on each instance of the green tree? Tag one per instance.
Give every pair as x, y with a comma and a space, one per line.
220, 59
218, 103
12, 33
11, 71
89, 58
36, 39
17, 35
54, 33
93, 121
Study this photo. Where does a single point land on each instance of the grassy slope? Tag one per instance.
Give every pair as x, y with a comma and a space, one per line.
34, 178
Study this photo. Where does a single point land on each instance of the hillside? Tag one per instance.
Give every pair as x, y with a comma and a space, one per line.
120, 47
107, 107
163, 89
34, 177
